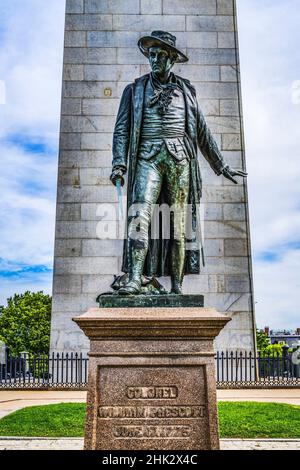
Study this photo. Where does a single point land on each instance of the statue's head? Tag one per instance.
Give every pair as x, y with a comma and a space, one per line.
160, 49
161, 60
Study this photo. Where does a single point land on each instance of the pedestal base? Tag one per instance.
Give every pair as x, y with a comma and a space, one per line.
152, 378
163, 300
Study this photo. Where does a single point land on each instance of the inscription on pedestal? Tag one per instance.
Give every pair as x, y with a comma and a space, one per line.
152, 392
151, 407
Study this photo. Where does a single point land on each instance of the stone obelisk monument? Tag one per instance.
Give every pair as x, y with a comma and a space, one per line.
100, 58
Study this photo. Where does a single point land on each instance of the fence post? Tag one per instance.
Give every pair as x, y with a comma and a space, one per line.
231, 366
285, 361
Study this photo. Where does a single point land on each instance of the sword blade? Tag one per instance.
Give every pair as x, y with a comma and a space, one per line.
120, 201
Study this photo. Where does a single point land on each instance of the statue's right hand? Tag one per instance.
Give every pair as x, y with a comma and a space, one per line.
115, 181
117, 175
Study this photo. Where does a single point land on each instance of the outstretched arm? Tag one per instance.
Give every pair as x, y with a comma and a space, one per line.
121, 137
211, 152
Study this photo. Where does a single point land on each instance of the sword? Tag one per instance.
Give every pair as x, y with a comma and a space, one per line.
120, 202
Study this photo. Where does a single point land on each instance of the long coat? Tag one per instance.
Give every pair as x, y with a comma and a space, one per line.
125, 154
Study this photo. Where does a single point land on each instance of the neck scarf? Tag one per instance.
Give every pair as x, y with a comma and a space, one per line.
163, 93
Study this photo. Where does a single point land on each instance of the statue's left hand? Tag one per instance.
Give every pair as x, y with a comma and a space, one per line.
229, 173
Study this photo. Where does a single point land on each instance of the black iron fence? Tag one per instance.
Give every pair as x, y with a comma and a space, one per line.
45, 371
70, 371
245, 369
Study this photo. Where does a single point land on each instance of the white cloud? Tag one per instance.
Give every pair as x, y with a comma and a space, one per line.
31, 64
295, 92
2, 92
269, 37
32, 282
27, 213
31, 51
277, 292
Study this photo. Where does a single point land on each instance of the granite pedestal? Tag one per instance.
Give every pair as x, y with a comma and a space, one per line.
152, 378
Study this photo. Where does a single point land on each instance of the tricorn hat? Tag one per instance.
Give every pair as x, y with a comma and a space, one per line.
161, 39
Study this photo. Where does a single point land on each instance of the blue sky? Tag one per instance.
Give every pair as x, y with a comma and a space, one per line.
31, 49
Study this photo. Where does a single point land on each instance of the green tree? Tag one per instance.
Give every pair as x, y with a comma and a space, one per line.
25, 323
263, 341
276, 349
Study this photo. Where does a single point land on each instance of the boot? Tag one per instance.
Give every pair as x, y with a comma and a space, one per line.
133, 287
177, 267
176, 287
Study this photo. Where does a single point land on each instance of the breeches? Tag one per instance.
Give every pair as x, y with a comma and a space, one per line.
161, 174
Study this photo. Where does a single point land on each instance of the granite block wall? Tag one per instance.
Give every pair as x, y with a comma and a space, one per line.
100, 58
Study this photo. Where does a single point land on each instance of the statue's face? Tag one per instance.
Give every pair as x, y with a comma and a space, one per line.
160, 61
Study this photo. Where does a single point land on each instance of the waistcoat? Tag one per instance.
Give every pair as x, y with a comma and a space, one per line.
168, 128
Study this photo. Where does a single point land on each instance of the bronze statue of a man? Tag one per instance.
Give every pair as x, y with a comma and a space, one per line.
158, 130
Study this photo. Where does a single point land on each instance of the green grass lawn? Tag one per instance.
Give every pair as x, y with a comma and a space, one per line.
250, 420
237, 420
